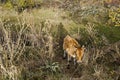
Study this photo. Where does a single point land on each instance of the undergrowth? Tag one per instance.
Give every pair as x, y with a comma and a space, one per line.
31, 47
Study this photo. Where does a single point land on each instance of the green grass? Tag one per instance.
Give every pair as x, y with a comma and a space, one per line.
112, 33
55, 16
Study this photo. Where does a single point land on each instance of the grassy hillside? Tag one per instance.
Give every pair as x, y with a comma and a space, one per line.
31, 40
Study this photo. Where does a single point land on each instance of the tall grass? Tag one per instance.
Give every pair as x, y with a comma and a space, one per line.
11, 52
31, 47
27, 42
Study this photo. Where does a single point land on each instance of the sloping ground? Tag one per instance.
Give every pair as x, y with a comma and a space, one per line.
105, 66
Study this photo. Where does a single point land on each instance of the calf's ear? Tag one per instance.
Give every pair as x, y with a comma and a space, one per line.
83, 46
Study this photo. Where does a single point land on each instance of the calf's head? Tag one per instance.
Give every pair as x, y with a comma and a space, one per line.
79, 53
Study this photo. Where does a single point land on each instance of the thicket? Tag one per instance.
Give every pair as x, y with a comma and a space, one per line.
31, 46
27, 48
95, 12
20, 5
105, 20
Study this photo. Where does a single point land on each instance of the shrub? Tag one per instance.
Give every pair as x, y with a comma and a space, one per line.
8, 5
20, 5
10, 53
114, 16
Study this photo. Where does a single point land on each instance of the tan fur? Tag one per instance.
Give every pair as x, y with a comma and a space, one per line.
79, 54
73, 49
69, 42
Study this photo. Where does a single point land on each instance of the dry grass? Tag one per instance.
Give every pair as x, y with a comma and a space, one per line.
34, 41
10, 53
35, 52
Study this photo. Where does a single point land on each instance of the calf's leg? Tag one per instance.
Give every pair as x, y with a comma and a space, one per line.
65, 54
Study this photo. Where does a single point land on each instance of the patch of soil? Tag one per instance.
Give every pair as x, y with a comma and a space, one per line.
72, 70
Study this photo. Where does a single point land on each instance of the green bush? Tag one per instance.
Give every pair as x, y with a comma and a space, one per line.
112, 33
20, 5
114, 16
8, 5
